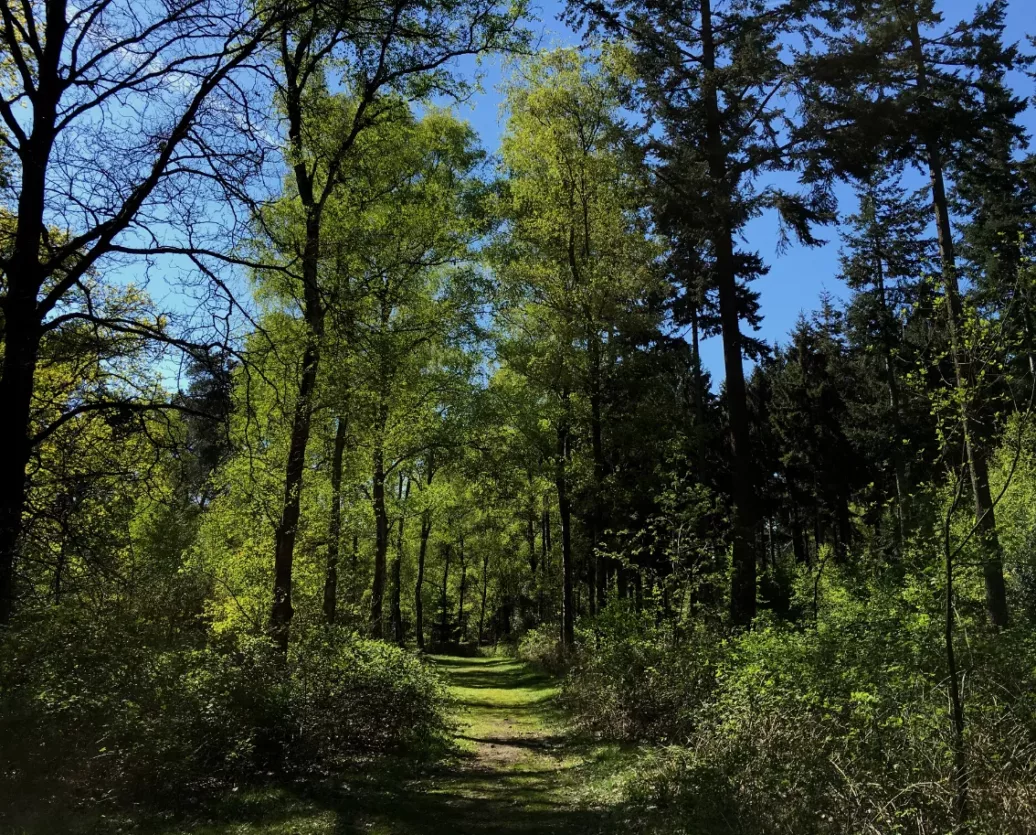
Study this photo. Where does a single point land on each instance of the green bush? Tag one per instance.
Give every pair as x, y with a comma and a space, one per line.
96, 709
636, 679
844, 728
350, 695
542, 648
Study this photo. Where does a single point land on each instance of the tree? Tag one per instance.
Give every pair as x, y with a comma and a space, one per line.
887, 253
401, 53
710, 83
890, 86
576, 265
145, 146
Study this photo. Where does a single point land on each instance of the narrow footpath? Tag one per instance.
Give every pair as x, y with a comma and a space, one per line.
517, 771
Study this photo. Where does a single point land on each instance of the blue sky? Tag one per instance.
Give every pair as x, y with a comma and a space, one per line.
797, 277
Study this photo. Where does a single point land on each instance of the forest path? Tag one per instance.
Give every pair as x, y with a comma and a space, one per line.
518, 771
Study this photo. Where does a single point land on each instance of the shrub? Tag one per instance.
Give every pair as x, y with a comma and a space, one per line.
635, 679
351, 695
87, 710
844, 728
542, 648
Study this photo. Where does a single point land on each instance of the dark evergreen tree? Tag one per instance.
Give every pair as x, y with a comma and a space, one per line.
708, 77
894, 85
809, 414
887, 254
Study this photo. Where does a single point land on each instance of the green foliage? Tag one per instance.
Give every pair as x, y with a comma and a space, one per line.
831, 728
94, 709
542, 648
635, 677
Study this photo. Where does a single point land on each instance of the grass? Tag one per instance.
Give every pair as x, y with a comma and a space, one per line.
516, 768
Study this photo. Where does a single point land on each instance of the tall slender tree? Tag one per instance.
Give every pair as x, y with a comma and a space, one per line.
712, 85
887, 253
403, 49
577, 268
895, 84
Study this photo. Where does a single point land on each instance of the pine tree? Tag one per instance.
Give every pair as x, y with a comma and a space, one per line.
885, 257
809, 418
709, 83
892, 86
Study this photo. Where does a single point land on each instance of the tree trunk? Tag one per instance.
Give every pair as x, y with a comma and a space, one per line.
898, 463
530, 539
485, 594
25, 275
397, 564
445, 610
545, 555
334, 534
591, 580
843, 528
463, 581
380, 540
956, 707
985, 518
798, 540
598, 522
699, 386
426, 531
21, 351
287, 529
313, 315
743, 512
565, 512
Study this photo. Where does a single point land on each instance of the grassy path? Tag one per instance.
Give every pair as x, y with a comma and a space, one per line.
521, 774
515, 771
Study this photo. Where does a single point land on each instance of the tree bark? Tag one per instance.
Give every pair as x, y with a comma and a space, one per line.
485, 595
743, 511
397, 564
25, 275
426, 531
287, 528
956, 708
21, 349
463, 581
892, 384
545, 558
598, 522
334, 534
380, 540
445, 609
699, 384
565, 512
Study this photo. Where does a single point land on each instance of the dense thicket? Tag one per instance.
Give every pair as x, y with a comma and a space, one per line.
409, 396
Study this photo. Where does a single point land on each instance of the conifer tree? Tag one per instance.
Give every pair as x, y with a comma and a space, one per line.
895, 85
711, 84
885, 257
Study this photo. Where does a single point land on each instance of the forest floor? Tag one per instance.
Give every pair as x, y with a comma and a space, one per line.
517, 767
